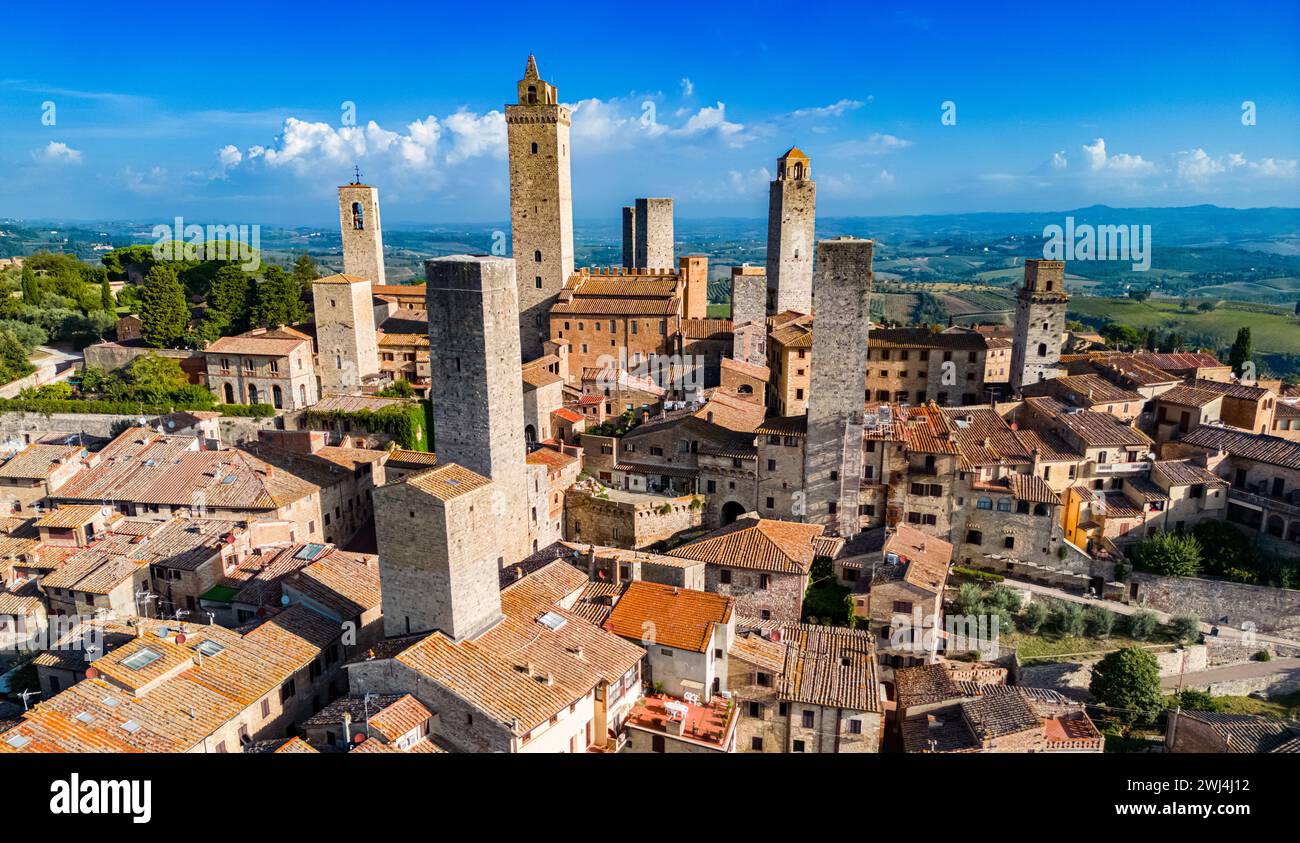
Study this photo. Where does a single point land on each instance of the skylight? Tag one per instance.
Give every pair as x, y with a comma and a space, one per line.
551, 621
209, 647
310, 551
18, 741
141, 658
85, 716
131, 726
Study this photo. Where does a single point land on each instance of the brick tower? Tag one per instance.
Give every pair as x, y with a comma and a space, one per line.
1040, 323
629, 236
791, 210
363, 237
541, 203
833, 462
477, 400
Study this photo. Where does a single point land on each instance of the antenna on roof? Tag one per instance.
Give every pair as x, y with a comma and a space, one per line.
27, 692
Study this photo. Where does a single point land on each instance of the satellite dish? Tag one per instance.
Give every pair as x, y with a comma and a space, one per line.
105, 511
143, 421
284, 600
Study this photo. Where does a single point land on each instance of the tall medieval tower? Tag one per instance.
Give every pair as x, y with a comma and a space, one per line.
344, 311
477, 401
363, 238
541, 203
1040, 323
833, 461
792, 201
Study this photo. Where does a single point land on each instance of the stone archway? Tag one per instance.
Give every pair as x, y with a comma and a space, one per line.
731, 510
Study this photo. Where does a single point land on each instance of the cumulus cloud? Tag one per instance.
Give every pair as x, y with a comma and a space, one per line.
1197, 165
710, 119
1059, 161
1099, 160
57, 152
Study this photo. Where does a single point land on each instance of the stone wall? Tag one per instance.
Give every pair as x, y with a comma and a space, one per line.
1270, 609
654, 234
626, 520
362, 235
791, 211
1040, 321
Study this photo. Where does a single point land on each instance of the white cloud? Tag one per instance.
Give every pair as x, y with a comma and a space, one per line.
1197, 165
57, 152
688, 87
1280, 168
1059, 161
711, 119
835, 109
152, 181
876, 143
1101, 161
472, 136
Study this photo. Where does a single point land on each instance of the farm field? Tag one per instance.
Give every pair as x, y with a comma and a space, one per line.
1274, 330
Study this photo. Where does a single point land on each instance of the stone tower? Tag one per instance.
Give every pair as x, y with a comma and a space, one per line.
629, 236
654, 234
749, 314
363, 237
791, 209
1040, 323
833, 461
437, 553
346, 342
541, 203
475, 392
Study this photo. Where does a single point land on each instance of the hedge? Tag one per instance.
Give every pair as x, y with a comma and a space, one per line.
409, 423
49, 406
979, 576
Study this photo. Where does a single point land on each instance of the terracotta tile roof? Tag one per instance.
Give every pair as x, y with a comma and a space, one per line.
339, 583
1249, 732
68, 516
402, 457
1189, 396
353, 403
784, 426
36, 462
1252, 446
1050, 446
669, 616
924, 685
983, 437
340, 278
22, 600
1120, 505
567, 415
356, 706
758, 651
796, 333
997, 715
926, 431
1142, 490
1135, 370
447, 481
746, 368
1180, 360
829, 665
761, 544
926, 558
926, 338
1286, 410
705, 329
1090, 390
403, 715
268, 346
397, 339
1186, 473
1233, 390
553, 460
1102, 429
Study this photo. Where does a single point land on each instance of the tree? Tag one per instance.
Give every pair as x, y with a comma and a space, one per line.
1034, 617
397, 389
1139, 295
1128, 681
305, 272
13, 358
228, 297
1185, 627
106, 294
1098, 621
279, 300
1194, 700
1120, 336
1068, 618
1232, 551
1142, 625
1170, 554
1206, 306
1241, 350
164, 315
31, 287
154, 379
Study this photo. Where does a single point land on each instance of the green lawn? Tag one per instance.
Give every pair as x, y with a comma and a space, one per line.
1286, 705
1049, 645
719, 311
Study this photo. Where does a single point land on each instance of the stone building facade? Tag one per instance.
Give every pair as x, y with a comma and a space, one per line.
263, 367
345, 332
477, 397
363, 237
749, 314
792, 200
629, 236
833, 462
632, 520
541, 203
1040, 323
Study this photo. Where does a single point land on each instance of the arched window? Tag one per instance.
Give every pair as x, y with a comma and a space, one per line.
984, 503
745, 389
358, 218
798, 170
532, 99
1040, 509
338, 360
277, 397
1049, 286
230, 394
1004, 504
974, 537
537, 255
1042, 349
302, 394
534, 148
252, 394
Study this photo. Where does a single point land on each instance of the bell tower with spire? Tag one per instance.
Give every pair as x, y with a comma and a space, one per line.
541, 203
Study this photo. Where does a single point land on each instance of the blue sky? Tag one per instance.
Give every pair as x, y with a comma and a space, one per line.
230, 114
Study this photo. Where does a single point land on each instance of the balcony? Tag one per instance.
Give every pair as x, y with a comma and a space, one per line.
1110, 469
1285, 505
710, 723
